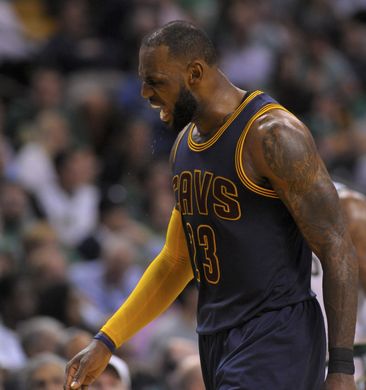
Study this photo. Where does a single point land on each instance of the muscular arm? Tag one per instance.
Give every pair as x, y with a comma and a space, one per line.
283, 152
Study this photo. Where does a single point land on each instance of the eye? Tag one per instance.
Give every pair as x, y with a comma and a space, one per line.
153, 82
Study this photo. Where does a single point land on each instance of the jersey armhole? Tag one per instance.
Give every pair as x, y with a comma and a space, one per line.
239, 166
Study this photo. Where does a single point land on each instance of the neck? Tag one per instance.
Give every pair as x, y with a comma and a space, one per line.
223, 99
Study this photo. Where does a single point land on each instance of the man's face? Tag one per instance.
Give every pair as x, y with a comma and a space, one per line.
50, 376
163, 84
108, 380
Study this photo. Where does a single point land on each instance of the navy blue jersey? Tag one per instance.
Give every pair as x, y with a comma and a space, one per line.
247, 253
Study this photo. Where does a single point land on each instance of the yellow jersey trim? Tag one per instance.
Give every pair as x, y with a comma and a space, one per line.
198, 147
239, 153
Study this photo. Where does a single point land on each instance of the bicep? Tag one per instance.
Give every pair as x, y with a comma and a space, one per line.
296, 172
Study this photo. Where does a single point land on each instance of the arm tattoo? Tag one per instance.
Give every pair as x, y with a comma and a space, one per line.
303, 184
289, 158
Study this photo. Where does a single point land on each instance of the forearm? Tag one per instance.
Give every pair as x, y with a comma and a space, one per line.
340, 287
161, 283
158, 288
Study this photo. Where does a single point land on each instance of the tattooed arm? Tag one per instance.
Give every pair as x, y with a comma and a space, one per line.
282, 152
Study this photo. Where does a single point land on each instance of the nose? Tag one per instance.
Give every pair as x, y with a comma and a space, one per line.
146, 91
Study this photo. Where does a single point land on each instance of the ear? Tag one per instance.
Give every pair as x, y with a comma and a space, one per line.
195, 72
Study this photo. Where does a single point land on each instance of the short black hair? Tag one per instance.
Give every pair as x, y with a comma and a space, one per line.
183, 39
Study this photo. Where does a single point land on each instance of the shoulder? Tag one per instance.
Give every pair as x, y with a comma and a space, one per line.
279, 127
280, 143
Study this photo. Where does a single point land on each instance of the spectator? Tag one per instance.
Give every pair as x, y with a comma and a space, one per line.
75, 45
37, 235
288, 85
115, 221
8, 264
46, 265
188, 375
39, 335
246, 60
327, 69
16, 216
73, 341
96, 118
136, 148
113, 277
179, 322
18, 300
353, 43
116, 376
174, 352
52, 137
13, 44
70, 204
11, 353
44, 372
45, 93
347, 7
6, 149
62, 302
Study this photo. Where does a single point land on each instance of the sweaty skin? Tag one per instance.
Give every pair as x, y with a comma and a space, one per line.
279, 154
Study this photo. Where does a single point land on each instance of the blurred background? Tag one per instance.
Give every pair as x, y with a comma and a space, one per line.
85, 183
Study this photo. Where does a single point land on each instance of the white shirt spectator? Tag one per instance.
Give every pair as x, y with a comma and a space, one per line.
34, 158
11, 354
12, 44
72, 215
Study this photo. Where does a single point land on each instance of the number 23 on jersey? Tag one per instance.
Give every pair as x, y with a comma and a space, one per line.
202, 241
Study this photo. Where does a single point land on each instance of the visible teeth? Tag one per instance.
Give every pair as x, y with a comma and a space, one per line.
164, 116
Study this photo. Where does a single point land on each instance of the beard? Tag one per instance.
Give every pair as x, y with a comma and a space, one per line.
184, 109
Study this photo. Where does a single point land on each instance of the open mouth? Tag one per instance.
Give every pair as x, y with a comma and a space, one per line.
164, 113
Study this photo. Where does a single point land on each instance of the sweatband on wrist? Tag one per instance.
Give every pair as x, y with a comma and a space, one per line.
105, 340
341, 361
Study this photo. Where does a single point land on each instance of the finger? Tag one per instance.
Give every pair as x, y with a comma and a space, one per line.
69, 375
79, 376
75, 385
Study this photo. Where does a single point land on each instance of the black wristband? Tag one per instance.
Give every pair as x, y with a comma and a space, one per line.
341, 361
105, 340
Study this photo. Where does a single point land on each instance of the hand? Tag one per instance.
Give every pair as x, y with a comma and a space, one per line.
340, 382
86, 366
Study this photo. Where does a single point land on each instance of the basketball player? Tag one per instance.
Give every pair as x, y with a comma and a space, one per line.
253, 199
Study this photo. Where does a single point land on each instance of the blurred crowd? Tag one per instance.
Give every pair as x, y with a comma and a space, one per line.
85, 181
